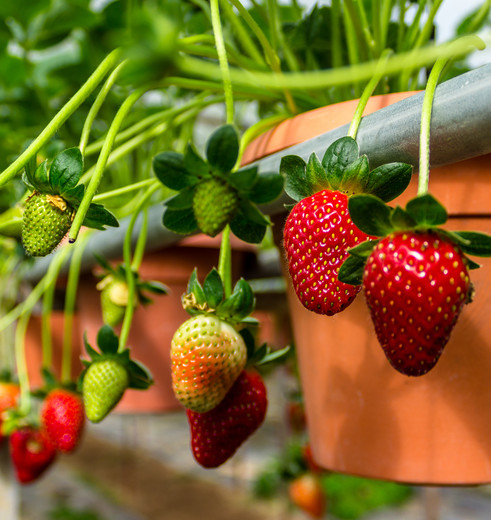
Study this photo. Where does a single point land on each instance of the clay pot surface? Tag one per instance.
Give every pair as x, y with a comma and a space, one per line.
364, 417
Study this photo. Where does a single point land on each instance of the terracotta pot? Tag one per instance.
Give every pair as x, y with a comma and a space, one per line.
33, 347
154, 325
364, 418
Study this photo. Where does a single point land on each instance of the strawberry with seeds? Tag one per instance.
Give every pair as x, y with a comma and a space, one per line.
319, 230
416, 278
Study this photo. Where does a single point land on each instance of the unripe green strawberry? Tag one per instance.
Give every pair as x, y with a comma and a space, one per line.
46, 220
114, 299
103, 386
207, 356
214, 204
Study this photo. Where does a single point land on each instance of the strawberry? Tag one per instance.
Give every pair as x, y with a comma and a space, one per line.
103, 386
31, 452
319, 229
306, 492
317, 236
207, 356
214, 203
217, 434
416, 284
46, 220
63, 418
114, 299
9, 396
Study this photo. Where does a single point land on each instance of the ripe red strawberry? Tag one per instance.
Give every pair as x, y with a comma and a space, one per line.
307, 494
9, 395
31, 452
63, 418
216, 435
207, 356
416, 284
317, 236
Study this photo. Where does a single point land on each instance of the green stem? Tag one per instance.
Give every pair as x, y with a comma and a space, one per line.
367, 93
139, 251
96, 106
130, 278
20, 361
69, 310
46, 332
225, 262
66, 111
125, 190
222, 60
424, 138
358, 17
102, 162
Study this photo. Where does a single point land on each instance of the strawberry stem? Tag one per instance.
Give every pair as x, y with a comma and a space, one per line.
225, 262
66, 111
20, 359
130, 279
424, 136
367, 93
102, 162
222, 60
70, 297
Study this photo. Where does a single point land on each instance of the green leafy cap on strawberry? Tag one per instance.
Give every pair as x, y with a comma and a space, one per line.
139, 376
62, 178
422, 213
191, 176
343, 169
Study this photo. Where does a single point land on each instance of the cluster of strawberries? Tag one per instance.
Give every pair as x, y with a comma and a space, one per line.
35, 443
341, 236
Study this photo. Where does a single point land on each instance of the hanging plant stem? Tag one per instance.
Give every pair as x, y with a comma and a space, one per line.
225, 262
69, 309
130, 279
367, 93
20, 361
66, 111
424, 136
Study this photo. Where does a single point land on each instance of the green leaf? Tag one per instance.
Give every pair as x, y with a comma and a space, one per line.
153, 287
239, 304
268, 187
370, 214
40, 178
477, 244
183, 200
246, 229
427, 211
244, 179
351, 272
66, 169
171, 171
401, 219
315, 174
222, 149
273, 355
471, 264
194, 287
180, 221
356, 175
194, 163
140, 377
107, 340
337, 157
364, 250
293, 168
98, 217
75, 195
249, 341
213, 289
389, 180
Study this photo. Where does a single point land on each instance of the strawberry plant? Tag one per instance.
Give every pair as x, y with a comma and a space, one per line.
56, 196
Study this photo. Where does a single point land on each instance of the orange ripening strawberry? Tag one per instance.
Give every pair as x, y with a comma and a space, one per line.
307, 494
207, 356
319, 230
217, 434
9, 396
31, 452
416, 284
63, 418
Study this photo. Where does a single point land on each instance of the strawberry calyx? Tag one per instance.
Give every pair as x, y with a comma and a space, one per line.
139, 376
233, 196
60, 183
343, 169
422, 213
